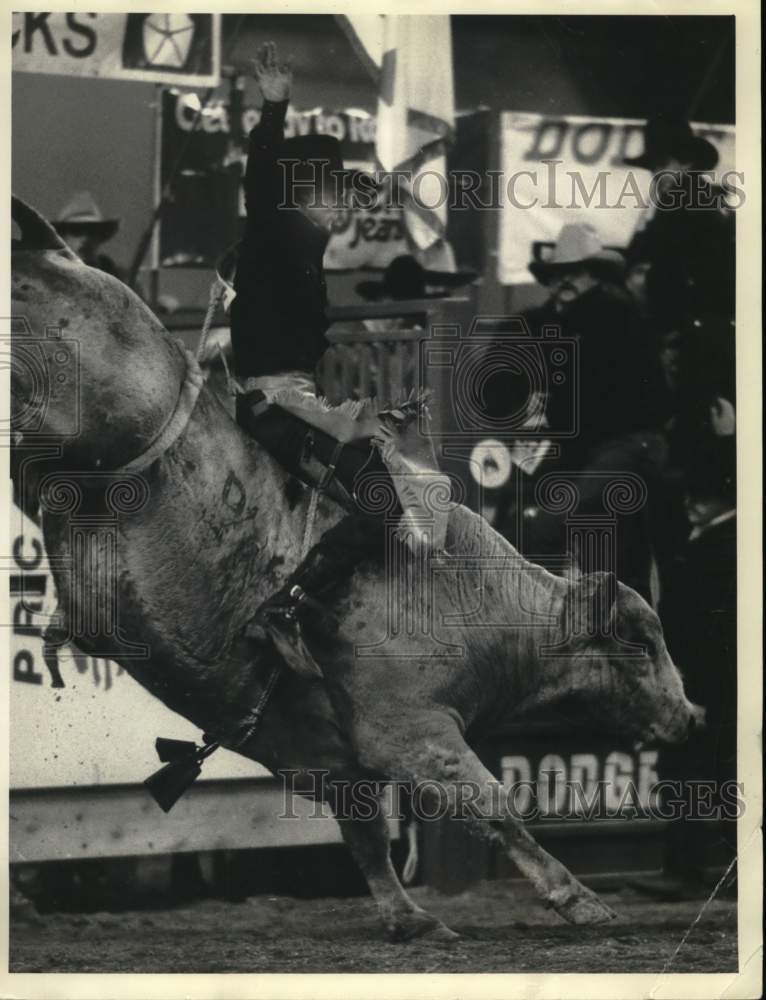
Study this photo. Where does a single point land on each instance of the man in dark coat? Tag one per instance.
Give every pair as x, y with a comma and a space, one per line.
699, 616
687, 236
616, 395
278, 319
293, 192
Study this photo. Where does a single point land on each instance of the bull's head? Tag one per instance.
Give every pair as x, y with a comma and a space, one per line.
92, 370
614, 662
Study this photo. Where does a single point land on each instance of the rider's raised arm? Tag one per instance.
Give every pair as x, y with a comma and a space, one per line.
263, 179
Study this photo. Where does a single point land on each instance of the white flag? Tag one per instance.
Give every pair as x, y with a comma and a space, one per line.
416, 110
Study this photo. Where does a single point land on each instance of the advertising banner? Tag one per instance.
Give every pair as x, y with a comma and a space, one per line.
206, 211
557, 170
206, 208
98, 729
154, 48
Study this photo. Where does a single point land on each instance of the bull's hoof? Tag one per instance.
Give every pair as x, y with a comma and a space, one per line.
584, 907
440, 934
423, 927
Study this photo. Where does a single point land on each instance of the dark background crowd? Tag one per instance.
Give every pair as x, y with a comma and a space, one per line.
655, 328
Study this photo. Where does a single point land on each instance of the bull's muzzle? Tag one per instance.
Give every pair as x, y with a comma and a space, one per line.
697, 720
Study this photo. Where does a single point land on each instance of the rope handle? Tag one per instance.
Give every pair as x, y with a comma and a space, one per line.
217, 289
217, 293
233, 386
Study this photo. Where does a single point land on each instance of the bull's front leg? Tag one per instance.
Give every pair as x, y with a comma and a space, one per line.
436, 752
553, 882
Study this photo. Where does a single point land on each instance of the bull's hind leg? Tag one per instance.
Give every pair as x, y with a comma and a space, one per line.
368, 841
362, 818
429, 750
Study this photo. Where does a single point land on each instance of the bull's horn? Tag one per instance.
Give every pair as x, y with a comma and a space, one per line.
36, 232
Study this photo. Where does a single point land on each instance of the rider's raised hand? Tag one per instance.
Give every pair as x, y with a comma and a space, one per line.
274, 79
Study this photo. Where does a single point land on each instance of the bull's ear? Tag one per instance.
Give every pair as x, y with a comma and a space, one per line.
591, 606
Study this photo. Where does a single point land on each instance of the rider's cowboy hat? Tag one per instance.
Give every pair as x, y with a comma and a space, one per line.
671, 137
405, 278
578, 243
318, 159
81, 216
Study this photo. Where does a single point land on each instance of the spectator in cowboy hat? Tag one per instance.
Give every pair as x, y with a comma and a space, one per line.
588, 301
83, 227
670, 144
406, 278
686, 236
614, 393
575, 263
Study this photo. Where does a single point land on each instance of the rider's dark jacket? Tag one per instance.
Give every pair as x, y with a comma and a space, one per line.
278, 319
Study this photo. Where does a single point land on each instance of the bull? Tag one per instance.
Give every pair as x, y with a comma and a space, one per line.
209, 526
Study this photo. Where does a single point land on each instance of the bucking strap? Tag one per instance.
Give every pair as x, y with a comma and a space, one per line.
329, 471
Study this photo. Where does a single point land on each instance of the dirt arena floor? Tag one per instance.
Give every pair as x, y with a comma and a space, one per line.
503, 928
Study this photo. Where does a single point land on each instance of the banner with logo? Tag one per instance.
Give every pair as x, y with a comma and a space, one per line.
206, 210
156, 48
101, 726
558, 169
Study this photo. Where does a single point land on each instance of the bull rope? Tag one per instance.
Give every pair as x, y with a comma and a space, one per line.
217, 289
217, 292
252, 721
183, 759
178, 420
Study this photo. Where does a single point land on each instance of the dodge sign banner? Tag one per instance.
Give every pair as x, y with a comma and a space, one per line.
560, 169
156, 48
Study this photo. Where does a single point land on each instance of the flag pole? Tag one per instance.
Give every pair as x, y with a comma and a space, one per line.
154, 288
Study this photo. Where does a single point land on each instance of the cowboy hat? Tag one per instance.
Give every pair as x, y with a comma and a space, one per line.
318, 158
81, 216
405, 278
578, 243
671, 137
